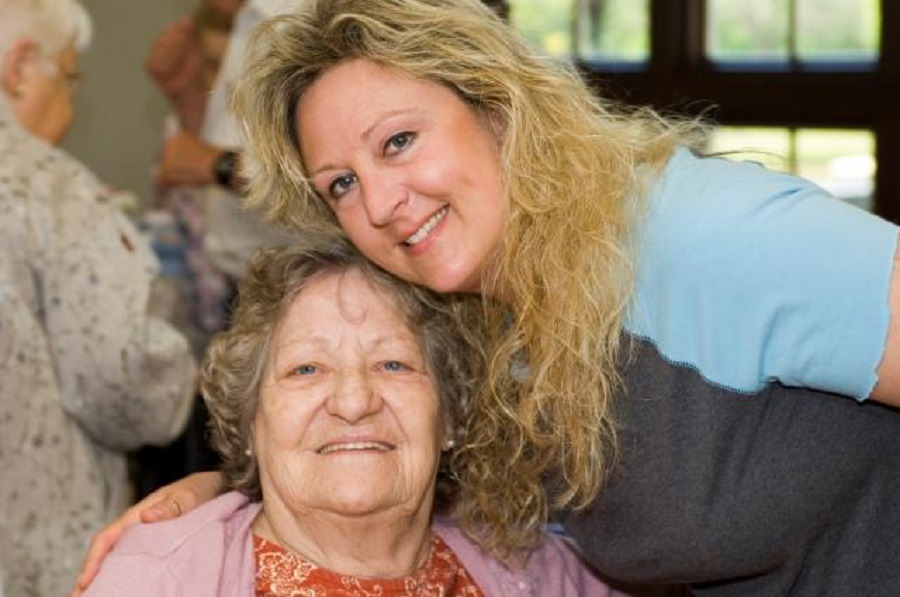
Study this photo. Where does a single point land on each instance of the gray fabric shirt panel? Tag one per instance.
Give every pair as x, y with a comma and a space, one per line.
786, 492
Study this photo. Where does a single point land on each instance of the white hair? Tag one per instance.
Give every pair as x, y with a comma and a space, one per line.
54, 25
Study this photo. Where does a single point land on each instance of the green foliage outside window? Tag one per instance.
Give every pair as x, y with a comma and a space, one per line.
829, 30
757, 30
838, 29
612, 30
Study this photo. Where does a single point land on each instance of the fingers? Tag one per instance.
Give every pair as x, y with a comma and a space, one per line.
165, 503
180, 497
156, 506
164, 510
169, 48
101, 544
175, 60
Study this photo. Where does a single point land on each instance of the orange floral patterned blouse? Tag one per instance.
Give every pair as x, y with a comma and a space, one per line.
281, 573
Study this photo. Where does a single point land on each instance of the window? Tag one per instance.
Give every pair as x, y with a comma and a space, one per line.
804, 33
610, 31
547, 24
840, 161
613, 30
824, 72
835, 31
737, 30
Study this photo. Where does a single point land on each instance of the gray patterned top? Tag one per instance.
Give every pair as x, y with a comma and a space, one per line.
86, 371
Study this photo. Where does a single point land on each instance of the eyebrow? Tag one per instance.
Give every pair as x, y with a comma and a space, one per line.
367, 133
323, 342
390, 114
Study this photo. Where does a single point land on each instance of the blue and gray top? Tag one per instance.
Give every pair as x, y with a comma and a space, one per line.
761, 305
751, 277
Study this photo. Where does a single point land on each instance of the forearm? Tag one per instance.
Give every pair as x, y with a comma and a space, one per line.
190, 108
887, 390
188, 160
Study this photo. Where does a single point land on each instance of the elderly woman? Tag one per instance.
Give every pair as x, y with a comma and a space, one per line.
86, 371
336, 400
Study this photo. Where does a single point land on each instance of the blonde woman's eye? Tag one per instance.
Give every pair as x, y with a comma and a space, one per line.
399, 142
341, 185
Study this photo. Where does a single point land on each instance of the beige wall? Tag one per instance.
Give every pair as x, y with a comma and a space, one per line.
118, 126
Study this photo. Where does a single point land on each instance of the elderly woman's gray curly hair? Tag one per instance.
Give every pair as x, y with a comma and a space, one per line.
446, 327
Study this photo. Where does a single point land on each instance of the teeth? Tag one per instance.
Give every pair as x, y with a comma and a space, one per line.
353, 447
422, 232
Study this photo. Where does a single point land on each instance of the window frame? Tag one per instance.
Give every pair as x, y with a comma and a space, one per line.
679, 78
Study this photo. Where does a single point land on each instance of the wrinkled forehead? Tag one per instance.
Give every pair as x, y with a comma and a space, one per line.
346, 296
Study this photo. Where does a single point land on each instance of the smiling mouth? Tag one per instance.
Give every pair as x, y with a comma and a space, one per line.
420, 234
355, 447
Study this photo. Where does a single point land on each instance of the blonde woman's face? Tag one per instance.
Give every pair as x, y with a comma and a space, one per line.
348, 421
411, 172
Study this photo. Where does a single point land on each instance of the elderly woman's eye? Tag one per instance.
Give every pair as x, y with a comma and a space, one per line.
399, 142
394, 366
341, 185
305, 370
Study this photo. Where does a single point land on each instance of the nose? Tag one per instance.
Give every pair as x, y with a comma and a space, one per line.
383, 197
354, 398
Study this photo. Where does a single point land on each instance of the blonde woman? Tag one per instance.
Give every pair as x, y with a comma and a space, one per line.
678, 340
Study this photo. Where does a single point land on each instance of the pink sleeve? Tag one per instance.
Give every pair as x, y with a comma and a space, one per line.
135, 576
552, 569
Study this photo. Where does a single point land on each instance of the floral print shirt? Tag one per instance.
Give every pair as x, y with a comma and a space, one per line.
86, 371
281, 573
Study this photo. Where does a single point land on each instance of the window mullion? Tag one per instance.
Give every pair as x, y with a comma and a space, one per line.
889, 55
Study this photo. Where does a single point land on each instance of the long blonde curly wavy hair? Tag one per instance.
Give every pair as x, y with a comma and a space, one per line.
574, 167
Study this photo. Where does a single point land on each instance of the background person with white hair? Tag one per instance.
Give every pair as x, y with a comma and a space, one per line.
86, 370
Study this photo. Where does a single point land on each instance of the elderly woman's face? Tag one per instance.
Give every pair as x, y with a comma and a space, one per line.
348, 421
44, 97
412, 172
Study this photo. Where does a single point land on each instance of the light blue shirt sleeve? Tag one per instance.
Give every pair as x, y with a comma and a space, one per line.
752, 276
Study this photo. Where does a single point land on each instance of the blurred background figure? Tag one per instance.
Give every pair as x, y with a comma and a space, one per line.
205, 152
202, 234
184, 59
87, 371
183, 62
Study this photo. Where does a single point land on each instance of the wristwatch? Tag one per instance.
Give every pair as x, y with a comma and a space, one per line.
225, 167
